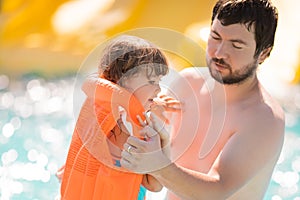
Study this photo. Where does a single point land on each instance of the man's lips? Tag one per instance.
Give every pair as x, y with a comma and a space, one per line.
220, 66
220, 63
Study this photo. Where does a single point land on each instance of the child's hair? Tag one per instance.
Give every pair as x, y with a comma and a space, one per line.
126, 55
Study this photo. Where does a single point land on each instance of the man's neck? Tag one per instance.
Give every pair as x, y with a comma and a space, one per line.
239, 92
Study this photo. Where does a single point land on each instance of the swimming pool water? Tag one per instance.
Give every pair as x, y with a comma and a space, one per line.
36, 124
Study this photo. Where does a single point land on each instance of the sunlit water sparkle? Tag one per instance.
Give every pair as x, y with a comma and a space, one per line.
36, 124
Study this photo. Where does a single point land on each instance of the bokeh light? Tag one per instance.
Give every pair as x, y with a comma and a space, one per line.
43, 43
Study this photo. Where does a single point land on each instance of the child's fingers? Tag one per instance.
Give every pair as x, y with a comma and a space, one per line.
168, 103
147, 116
143, 123
173, 106
159, 111
148, 131
158, 125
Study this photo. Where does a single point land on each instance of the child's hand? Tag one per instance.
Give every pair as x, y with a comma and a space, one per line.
168, 103
159, 126
165, 103
154, 125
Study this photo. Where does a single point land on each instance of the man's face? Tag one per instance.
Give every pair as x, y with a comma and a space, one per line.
230, 53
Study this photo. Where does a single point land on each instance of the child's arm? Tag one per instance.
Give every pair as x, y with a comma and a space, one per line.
151, 183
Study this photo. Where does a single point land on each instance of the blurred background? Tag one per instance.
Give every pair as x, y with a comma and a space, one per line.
42, 46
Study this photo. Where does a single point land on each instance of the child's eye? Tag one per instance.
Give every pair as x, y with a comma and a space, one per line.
152, 82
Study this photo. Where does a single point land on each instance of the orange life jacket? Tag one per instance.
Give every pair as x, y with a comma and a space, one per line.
89, 172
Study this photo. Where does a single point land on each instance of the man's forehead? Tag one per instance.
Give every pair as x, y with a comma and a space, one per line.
237, 30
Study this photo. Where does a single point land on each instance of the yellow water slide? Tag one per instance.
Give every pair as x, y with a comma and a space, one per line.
54, 37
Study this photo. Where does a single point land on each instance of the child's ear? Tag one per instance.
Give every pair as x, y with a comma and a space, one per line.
264, 54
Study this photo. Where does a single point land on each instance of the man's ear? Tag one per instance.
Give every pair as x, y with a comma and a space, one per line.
264, 54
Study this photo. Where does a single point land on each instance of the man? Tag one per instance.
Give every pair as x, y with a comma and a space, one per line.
229, 149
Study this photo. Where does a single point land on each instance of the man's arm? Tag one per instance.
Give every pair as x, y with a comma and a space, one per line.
151, 183
244, 155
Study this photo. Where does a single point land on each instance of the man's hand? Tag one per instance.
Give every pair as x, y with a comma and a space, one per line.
142, 156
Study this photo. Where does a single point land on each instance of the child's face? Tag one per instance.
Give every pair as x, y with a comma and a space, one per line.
145, 89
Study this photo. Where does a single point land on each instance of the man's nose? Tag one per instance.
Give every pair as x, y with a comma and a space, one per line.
221, 51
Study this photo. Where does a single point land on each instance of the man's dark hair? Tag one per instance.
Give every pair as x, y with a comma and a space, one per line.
259, 13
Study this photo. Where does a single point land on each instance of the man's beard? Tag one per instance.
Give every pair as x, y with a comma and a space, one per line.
234, 77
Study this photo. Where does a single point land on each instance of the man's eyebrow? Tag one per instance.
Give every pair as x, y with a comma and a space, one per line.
215, 32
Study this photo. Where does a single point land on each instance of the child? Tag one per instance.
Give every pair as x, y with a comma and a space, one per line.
128, 81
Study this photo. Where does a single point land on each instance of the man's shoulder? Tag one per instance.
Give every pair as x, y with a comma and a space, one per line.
188, 80
270, 106
267, 114
269, 110
266, 122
